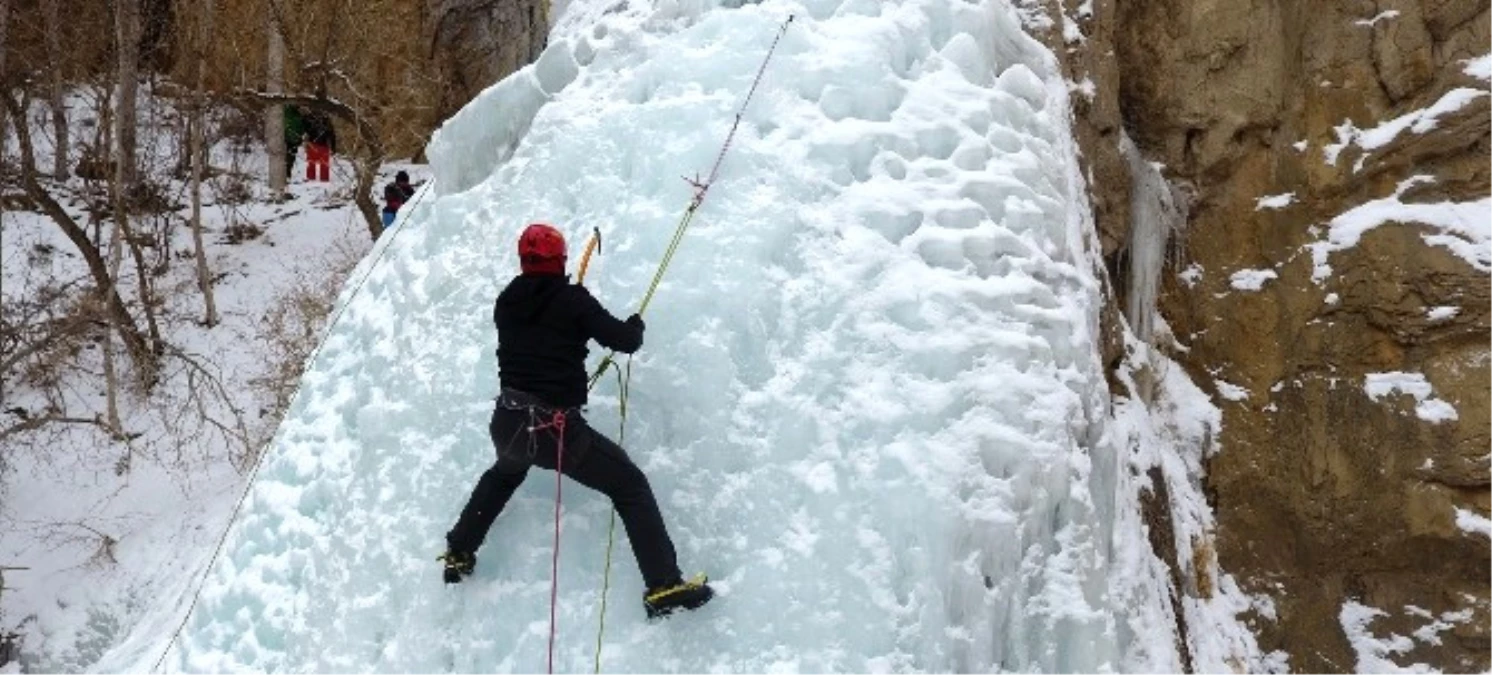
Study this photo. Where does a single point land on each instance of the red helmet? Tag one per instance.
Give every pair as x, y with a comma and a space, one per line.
541, 248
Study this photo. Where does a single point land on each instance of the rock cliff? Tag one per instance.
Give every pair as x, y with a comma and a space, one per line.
1334, 343
475, 43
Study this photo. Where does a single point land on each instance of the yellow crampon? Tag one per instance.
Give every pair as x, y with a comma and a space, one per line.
698, 581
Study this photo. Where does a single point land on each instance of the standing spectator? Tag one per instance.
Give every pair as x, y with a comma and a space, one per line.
394, 196
295, 131
321, 142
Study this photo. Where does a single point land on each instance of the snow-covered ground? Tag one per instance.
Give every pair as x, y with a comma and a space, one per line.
110, 536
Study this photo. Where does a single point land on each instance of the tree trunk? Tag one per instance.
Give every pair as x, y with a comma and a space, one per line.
142, 273
366, 171
127, 46
368, 155
59, 109
111, 375
4, 36
204, 278
274, 115
126, 178
145, 360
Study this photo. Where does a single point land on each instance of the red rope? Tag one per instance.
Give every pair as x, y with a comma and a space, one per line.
557, 422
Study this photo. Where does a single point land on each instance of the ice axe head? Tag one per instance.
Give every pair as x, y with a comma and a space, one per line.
592, 246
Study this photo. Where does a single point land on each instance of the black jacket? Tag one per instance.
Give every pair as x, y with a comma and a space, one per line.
543, 325
319, 130
395, 194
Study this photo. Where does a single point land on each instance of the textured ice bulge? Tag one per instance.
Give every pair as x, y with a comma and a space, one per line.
869, 400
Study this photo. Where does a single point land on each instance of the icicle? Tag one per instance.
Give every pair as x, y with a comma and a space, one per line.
1156, 212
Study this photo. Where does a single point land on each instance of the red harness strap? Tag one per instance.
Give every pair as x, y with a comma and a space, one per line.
558, 424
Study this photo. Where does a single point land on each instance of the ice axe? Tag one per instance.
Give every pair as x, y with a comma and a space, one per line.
592, 246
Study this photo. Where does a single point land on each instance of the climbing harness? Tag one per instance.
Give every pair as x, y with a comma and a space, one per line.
543, 418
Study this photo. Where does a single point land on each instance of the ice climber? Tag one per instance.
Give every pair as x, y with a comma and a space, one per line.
544, 323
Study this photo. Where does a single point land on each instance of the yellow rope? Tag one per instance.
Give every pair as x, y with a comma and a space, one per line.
624, 380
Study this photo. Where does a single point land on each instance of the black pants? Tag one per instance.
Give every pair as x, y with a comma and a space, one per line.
592, 460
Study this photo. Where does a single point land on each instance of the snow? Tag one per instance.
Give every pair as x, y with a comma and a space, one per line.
1191, 275
1479, 67
165, 511
1442, 312
1419, 121
1430, 632
1372, 652
1428, 408
1071, 33
1251, 280
1381, 16
1230, 391
1473, 522
1465, 228
1275, 202
1085, 87
1174, 428
870, 402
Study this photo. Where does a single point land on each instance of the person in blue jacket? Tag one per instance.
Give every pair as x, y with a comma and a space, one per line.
395, 194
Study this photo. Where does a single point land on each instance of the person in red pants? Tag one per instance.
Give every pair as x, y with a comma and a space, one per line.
321, 142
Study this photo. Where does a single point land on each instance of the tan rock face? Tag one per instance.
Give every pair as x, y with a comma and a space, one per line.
478, 42
1323, 494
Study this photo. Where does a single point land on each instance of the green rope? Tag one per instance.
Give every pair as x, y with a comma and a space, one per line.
623, 382
701, 188
673, 246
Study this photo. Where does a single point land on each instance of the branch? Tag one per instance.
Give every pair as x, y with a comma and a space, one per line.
217, 387
331, 106
365, 166
34, 423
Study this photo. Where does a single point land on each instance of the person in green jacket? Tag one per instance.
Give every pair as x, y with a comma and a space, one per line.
295, 129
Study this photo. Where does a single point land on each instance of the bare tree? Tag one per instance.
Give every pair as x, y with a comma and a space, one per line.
59, 109
274, 117
127, 49
145, 358
126, 175
204, 278
367, 156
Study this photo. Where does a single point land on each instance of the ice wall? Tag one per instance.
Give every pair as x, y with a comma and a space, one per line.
869, 402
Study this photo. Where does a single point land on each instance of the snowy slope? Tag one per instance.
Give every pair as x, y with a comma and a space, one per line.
870, 399
112, 537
